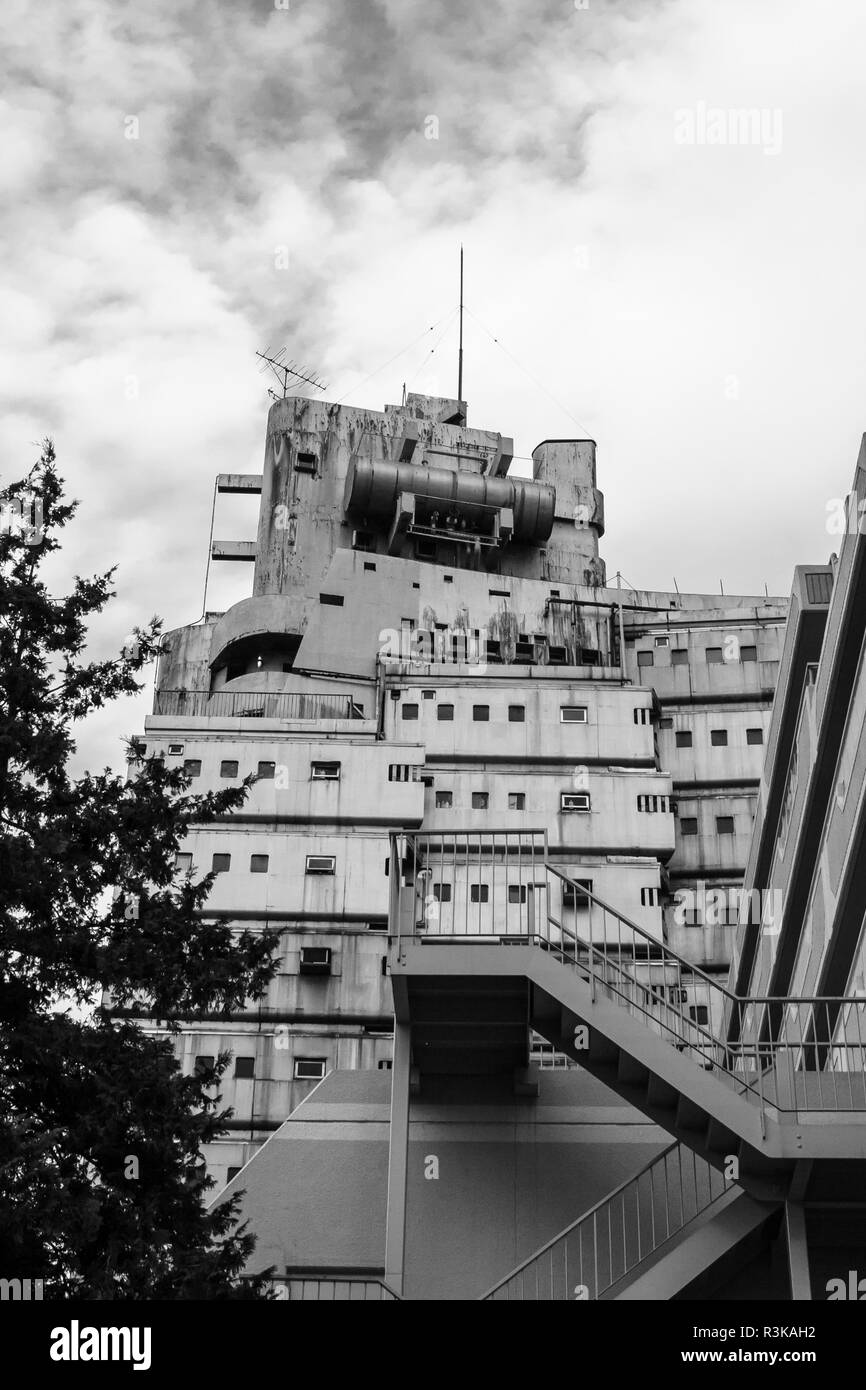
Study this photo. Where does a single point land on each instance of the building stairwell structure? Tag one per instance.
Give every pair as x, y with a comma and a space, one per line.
502, 818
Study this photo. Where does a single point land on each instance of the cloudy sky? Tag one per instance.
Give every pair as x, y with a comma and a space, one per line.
183, 183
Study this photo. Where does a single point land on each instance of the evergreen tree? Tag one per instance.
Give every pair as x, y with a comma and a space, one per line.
102, 1186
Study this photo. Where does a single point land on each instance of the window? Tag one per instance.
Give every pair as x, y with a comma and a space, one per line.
754, 736
679, 656
175, 750
748, 653
245, 1068
724, 825
425, 550
480, 801
499, 593
266, 770
574, 801
517, 892
517, 801
516, 714
642, 715
309, 1068
677, 995
662, 641
320, 864
445, 713
258, 863
221, 863
305, 463
714, 656
572, 714
232, 1172
315, 960
649, 897
652, 803
333, 600
719, 738
645, 659
574, 894
479, 893
448, 578
325, 772
666, 722
377, 924
385, 1064
228, 767
444, 801
370, 566
203, 1063
688, 825
684, 738
409, 711
442, 892
481, 713
183, 863
401, 772
192, 767
699, 1013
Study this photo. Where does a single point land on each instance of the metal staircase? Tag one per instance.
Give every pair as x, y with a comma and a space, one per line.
640, 1230
490, 938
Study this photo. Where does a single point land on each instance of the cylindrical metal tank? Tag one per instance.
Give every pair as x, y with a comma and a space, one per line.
372, 489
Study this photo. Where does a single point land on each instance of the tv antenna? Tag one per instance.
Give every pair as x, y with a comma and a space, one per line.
284, 368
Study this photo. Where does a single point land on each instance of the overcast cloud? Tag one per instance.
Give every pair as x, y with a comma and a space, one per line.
184, 183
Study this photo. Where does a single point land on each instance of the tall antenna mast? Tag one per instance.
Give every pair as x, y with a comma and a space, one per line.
460, 354
283, 368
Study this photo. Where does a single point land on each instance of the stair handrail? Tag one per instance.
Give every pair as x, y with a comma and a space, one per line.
633, 1181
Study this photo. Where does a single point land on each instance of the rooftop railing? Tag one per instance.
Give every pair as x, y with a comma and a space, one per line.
255, 704
335, 1288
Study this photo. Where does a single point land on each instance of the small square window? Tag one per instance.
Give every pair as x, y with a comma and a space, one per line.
175, 750
574, 894
517, 801
245, 1068
428, 694
325, 772
699, 1013
183, 863
724, 825
481, 713
266, 771
662, 641
479, 892
754, 736
444, 801
203, 1062
321, 864
684, 738
666, 722
332, 600
645, 659
228, 768
679, 656
409, 711
517, 714
232, 1172
258, 863
192, 767
221, 863
480, 801
445, 713
448, 578
309, 1068
442, 892
714, 656
385, 1064
370, 566
688, 825
719, 738
517, 892
748, 653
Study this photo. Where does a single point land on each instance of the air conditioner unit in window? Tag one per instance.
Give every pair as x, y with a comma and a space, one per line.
315, 960
557, 656
175, 750
574, 801
321, 863
524, 652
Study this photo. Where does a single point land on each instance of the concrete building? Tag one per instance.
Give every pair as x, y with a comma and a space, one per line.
466, 741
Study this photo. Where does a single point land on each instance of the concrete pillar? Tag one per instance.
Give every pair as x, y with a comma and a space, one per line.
398, 1158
